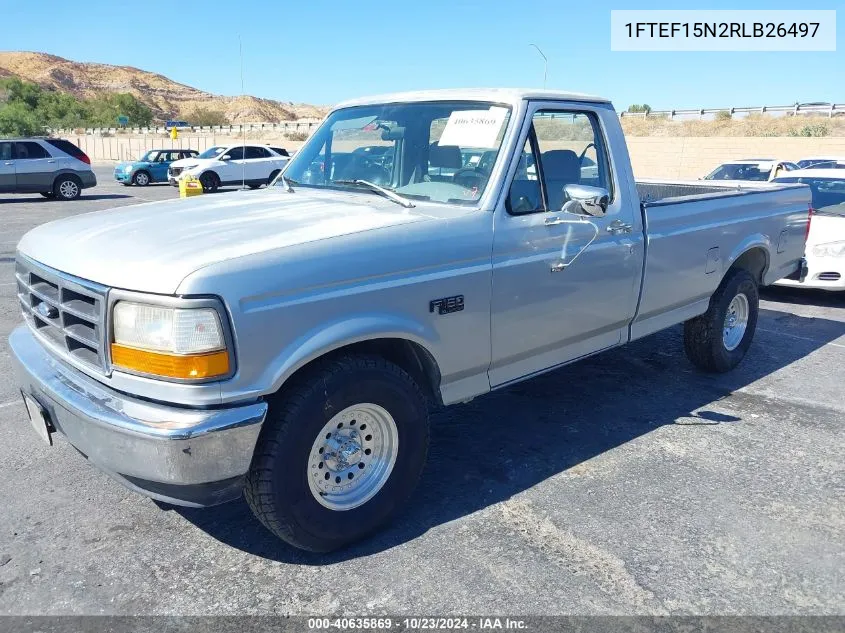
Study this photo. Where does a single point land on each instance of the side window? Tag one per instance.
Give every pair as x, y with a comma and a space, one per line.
525, 194
235, 153
571, 151
256, 152
5, 151
29, 151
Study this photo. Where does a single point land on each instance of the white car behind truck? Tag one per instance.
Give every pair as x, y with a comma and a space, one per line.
287, 343
226, 165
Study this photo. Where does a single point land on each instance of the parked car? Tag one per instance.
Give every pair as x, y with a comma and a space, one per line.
53, 167
759, 169
151, 167
826, 238
822, 162
288, 343
219, 166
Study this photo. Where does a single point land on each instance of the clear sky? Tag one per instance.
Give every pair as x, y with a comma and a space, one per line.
322, 52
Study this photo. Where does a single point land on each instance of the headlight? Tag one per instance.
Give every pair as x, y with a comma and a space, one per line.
830, 249
185, 343
127, 168
187, 167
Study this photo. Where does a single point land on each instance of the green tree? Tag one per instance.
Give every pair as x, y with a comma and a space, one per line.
644, 107
16, 119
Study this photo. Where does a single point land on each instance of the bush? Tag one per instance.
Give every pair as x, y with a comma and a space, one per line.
637, 107
723, 115
296, 136
206, 117
818, 129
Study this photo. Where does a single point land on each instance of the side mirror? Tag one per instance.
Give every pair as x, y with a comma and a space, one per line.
585, 200
225, 157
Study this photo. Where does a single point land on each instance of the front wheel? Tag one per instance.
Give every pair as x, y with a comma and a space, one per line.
718, 340
210, 182
141, 178
340, 452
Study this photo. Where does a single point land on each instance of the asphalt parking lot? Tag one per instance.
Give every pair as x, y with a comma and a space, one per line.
626, 484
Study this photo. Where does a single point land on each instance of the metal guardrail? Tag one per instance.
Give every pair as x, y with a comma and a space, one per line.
309, 125
704, 114
306, 126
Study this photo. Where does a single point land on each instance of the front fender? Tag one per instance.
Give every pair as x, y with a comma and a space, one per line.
327, 337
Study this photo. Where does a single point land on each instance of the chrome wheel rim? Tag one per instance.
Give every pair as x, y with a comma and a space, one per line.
353, 456
142, 179
68, 189
736, 322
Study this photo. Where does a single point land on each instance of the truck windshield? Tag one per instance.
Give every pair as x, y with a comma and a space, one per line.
438, 151
828, 194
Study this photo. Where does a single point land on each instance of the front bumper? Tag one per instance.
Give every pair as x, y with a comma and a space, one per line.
123, 176
192, 457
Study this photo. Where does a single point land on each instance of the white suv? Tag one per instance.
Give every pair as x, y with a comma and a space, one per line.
216, 167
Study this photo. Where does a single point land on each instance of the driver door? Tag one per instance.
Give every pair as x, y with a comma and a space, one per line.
564, 283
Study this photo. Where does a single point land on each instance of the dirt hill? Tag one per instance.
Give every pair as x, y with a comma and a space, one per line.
166, 98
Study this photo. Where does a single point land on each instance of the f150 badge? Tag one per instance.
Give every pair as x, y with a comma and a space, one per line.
447, 305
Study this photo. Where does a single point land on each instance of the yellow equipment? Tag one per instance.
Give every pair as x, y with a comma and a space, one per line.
189, 186
174, 133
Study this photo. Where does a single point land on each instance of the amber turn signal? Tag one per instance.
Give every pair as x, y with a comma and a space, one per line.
187, 367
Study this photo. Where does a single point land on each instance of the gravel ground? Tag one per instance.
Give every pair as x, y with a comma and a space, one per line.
626, 484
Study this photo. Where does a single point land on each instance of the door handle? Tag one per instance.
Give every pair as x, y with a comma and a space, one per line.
558, 267
9, 163
553, 221
618, 226
52, 160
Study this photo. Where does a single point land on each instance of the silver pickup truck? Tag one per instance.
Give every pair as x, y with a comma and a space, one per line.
421, 249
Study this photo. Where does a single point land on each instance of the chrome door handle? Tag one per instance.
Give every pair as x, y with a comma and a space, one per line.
9, 163
553, 221
52, 160
618, 226
559, 267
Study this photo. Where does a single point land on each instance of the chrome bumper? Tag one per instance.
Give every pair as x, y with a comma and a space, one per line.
192, 457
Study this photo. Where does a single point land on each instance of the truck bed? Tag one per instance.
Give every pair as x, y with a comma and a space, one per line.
654, 192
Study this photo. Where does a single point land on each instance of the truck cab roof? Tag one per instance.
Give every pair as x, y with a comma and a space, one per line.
509, 96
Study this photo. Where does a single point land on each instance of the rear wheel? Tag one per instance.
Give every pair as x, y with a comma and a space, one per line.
272, 177
210, 182
141, 178
718, 340
67, 188
340, 452
253, 186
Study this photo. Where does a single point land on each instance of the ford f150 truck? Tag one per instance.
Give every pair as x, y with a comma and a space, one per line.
289, 343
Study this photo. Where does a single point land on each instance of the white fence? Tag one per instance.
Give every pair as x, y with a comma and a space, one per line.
707, 114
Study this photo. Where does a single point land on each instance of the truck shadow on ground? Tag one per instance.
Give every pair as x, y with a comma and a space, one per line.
496, 446
82, 198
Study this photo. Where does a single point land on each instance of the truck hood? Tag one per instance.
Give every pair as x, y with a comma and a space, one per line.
153, 247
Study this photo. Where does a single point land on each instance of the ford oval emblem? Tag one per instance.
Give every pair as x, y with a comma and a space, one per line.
46, 310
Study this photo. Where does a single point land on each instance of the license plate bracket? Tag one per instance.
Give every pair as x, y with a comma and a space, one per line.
38, 418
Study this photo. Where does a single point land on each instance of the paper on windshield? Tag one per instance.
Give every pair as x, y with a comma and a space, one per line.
473, 128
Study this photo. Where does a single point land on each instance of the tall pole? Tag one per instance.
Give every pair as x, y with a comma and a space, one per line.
243, 129
545, 64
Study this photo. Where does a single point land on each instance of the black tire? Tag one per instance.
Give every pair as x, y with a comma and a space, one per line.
273, 176
48, 194
210, 182
254, 185
277, 486
141, 178
67, 187
703, 336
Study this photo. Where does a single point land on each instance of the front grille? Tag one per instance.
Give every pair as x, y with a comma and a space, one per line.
828, 276
174, 171
68, 313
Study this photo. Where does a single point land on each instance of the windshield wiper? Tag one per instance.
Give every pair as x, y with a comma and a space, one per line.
387, 193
